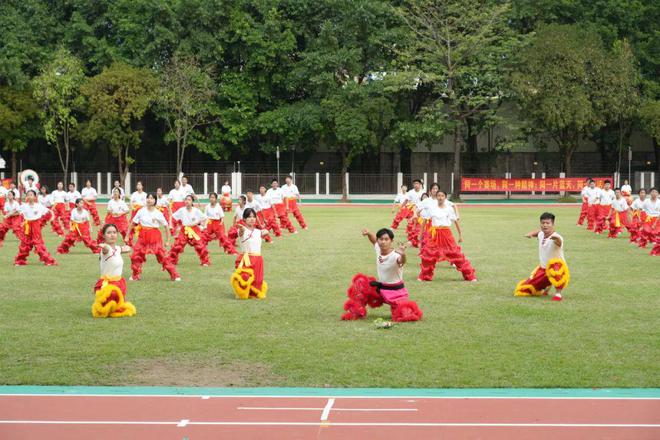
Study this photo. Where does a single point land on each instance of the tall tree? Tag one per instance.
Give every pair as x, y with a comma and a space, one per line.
57, 90
461, 48
19, 121
117, 99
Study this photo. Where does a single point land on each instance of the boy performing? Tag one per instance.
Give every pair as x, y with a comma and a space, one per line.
618, 216
79, 230
13, 219
409, 203
552, 269
584, 209
248, 278
110, 289
215, 228
389, 287
117, 210
89, 195
593, 199
605, 199
190, 233
291, 198
276, 197
35, 216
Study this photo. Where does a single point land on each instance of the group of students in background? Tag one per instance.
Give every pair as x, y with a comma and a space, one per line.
611, 210
142, 222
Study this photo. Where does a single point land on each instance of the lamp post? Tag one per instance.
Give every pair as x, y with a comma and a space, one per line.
277, 155
629, 162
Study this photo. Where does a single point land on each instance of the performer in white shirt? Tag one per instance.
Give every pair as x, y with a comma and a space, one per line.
291, 198
651, 228
441, 244
399, 199
618, 216
59, 199
110, 288
177, 198
388, 288
163, 205
3, 196
147, 222
30, 185
626, 190
267, 212
247, 280
409, 204
72, 195
138, 201
35, 216
191, 234
12, 218
117, 210
605, 199
117, 186
552, 270
89, 196
637, 216
225, 201
79, 230
186, 188
584, 209
215, 228
251, 202
276, 198
593, 199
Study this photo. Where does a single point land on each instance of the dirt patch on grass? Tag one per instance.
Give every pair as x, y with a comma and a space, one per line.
188, 372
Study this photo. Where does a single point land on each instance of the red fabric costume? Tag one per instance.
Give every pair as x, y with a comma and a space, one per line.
78, 232
31, 239
442, 246
292, 206
192, 236
215, 229
366, 291
150, 241
90, 205
405, 212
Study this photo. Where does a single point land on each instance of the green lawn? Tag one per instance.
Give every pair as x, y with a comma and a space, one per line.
605, 333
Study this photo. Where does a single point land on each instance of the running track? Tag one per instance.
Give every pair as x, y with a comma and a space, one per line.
271, 413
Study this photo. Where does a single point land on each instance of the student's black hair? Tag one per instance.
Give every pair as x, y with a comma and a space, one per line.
547, 216
30, 177
288, 177
652, 189
592, 180
78, 200
640, 190
607, 181
108, 226
152, 195
424, 195
192, 197
87, 181
44, 187
432, 185
417, 180
31, 191
247, 212
184, 177
214, 195
404, 186
385, 231
617, 189
71, 183
274, 180
442, 191
262, 186
242, 197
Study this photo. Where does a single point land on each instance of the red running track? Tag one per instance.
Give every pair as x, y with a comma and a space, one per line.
60, 417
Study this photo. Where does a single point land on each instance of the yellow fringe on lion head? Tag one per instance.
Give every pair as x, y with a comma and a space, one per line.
563, 274
261, 294
242, 287
523, 289
112, 309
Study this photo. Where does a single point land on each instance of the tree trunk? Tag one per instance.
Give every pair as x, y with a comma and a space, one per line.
456, 195
14, 175
344, 170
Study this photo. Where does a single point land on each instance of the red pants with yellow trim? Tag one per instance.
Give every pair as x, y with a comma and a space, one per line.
247, 281
191, 236
176, 224
150, 241
584, 209
78, 232
413, 229
649, 232
405, 212
215, 229
14, 224
556, 274
165, 212
225, 202
592, 216
635, 225
120, 221
61, 215
441, 245
601, 218
282, 215
31, 239
131, 232
90, 205
292, 206
618, 220
109, 302
2, 204
267, 217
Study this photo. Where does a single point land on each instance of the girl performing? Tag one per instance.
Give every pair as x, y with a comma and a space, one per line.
147, 222
276, 198
110, 289
225, 202
138, 201
35, 215
215, 228
12, 221
163, 205
248, 278
89, 195
117, 210
440, 244
267, 213
177, 198
291, 198
45, 199
388, 289
190, 234
79, 230
60, 208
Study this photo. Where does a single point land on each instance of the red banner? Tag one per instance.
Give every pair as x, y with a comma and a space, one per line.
6, 182
558, 184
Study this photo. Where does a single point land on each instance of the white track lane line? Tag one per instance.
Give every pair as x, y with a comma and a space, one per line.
281, 408
286, 396
326, 410
183, 423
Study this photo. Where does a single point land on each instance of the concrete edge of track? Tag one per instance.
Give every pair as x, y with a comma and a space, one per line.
490, 393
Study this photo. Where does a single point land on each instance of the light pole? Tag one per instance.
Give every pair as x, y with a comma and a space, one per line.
629, 163
277, 155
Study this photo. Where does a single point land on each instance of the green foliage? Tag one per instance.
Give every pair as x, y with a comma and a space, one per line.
18, 118
650, 117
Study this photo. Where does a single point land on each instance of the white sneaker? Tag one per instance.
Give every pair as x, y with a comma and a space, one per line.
177, 279
205, 265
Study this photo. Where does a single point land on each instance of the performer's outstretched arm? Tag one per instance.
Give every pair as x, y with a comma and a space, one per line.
370, 236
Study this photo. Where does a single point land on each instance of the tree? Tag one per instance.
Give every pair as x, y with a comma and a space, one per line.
186, 103
461, 48
57, 90
117, 99
18, 121
565, 85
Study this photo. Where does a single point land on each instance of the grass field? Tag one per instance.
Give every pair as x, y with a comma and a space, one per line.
605, 333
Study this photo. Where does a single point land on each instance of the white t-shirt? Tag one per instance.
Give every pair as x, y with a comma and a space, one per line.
33, 212
149, 219
3, 191
189, 218
637, 204
263, 201
549, 250
177, 195
651, 208
27, 187
399, 198
111, 264
253, 204
621, 205
117, 207
414, 196
12, 207
389, 268
214, 212
585, 192
89, 193
424, 207
442, 217
251, 241
290, 191
162, 201
72, 196
58, 196
45, 200
120, 189
79, 217
139, 198
226, 189
275, 196
626, 189
187, 190
607, 196
593, 195
238, 213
